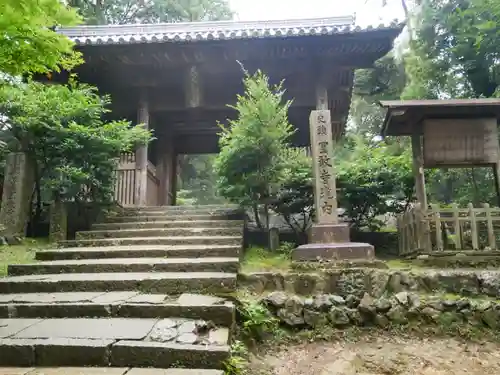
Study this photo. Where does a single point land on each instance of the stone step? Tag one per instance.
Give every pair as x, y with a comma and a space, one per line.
127, 265
160, 232
116, 342
152, 282
177, 210
177, 240
184, 207
163, 217
104, 371
171, 224
117, 304
138, 251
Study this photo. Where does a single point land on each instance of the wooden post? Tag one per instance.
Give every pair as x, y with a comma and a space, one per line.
456, 224
418, 169
437, 223
473, 227
141, 156
489, 224
496, 174
166, 165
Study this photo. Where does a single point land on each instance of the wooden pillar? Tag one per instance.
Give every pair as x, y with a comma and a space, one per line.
418, 168
173, 185
141, 156
165, 168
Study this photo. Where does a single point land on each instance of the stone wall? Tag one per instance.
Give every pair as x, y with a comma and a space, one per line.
376, 282
400, 308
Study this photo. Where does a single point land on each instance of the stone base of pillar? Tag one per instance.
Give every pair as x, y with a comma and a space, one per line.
58, 227
331, 242
315, 252
327, 233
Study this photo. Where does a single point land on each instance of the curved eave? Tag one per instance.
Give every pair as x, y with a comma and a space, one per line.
211, 31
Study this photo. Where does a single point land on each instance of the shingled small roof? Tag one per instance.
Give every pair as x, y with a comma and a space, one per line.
220, 30
403, 115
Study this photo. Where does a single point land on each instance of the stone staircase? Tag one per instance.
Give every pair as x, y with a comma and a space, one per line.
143, 289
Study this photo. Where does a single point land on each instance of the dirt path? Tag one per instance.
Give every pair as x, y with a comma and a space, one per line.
385, 356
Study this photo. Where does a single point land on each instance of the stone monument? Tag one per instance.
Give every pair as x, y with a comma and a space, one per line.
328, 238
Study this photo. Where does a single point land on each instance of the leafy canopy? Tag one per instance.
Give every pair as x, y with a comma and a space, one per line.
61, 128
151, 11
28, 43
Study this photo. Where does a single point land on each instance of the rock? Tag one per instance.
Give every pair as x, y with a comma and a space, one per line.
402, 298
383, 305
459, 282
490, 283
338, 316
315, 319
355, 316
490, 317
337, 300
202, 327
463, 304
305, 284
379, 280
322, 302
397, 314
414, 300
352, 301
424, 256
381, 321
394, 283
352, 281
309, 303
367, 305
430, 313
162, 335
187, 327
276, 299
187, 338
292, 312
449, 304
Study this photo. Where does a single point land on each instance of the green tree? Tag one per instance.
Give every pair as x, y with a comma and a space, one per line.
61, 130
151, 11
28, 43
250, 164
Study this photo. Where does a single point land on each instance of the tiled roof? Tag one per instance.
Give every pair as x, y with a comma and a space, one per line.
204, 31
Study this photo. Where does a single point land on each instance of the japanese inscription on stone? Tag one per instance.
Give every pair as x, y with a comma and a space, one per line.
324, 177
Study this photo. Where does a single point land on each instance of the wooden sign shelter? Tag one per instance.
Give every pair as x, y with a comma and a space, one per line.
446, 133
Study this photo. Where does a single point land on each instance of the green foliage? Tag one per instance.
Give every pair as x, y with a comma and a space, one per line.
255, 320
294, 199
249, 165
61, 129
151, 11
375, 180
237, 362
259, 259
28, 44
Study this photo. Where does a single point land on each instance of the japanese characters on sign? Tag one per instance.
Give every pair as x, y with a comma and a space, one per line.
322, 147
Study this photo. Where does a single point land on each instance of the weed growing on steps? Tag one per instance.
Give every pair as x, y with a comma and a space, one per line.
238, 360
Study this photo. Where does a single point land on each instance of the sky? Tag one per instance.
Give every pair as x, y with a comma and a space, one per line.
367, 12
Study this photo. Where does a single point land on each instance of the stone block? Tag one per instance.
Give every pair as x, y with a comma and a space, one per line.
72, 352
58, 230
328, 233
78, 371
17, 352
333, 251
155, 354
16, 197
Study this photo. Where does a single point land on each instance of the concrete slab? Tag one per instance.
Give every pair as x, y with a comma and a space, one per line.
17, 352
171, 240
49, 297
9, 327
165, 355
114, 297
148, 299
72, 352
172, 371
77, 371
154, 282
218, 336
114, 329
190, 299
14, 371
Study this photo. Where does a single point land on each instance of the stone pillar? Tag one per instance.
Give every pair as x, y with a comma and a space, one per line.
58, 230
16, 198
328, 239
141, 157
165, 169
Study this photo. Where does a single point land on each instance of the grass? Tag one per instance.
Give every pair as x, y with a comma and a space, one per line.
20, 254
259, 259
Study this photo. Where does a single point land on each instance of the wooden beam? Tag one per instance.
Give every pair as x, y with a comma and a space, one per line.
418, 169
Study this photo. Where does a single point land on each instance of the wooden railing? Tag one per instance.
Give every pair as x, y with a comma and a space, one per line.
126, 180
437, 229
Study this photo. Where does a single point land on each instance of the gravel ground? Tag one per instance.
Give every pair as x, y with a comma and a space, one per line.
384, 356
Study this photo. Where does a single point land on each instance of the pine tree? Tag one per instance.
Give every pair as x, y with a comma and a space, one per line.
250, 163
